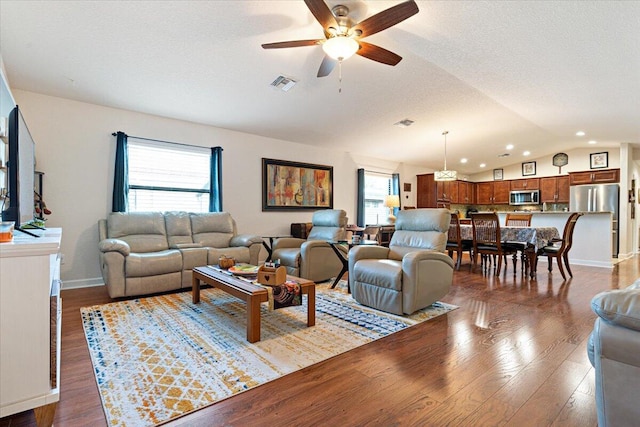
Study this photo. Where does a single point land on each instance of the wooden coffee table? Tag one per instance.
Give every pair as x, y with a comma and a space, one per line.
250, 293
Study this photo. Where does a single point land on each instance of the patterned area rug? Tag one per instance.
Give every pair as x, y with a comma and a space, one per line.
158, 358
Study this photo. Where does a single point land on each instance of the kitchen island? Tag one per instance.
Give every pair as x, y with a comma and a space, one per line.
592, 236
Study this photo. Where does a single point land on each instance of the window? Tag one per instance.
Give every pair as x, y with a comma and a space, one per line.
168, 176
376, 188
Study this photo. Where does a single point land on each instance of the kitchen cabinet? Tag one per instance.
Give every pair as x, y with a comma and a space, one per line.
432, 193
493, 192
554, 189
447, 191
606, 176
426, 192
525, 184
466, 192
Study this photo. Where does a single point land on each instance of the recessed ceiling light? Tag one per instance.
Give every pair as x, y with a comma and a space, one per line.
463, 160
510, 147
593, 142
580, 133
483, 165
526, 153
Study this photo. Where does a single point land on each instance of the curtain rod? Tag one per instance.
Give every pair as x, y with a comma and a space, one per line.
378, 172
165, 142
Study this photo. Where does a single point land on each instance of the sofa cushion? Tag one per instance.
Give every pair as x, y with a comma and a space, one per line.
214, 229
153, 263
178, 226
383, 273
142, 231
620, 307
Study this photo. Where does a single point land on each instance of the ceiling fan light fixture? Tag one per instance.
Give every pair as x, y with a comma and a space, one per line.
340, 47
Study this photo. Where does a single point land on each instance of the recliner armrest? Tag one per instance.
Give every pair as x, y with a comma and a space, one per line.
245, 240
114, 245
425, 255
287, 242
619, 307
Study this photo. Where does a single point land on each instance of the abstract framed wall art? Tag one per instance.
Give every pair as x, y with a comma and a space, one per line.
292, 186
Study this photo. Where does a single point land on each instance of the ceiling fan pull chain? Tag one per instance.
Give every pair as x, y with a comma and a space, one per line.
340, 76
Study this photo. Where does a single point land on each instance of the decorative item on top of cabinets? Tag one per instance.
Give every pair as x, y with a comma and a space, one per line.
528, 168
498, 174
599, 160
560, 160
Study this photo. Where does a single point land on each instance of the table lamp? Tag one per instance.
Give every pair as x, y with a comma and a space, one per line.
392, 201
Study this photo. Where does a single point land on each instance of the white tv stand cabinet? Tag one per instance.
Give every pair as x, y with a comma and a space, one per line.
30, 324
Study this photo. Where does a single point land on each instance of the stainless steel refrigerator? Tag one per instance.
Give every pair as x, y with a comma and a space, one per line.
598, 198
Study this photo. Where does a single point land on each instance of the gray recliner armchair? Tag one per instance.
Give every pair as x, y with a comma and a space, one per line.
614, 352
413, 272
313, 258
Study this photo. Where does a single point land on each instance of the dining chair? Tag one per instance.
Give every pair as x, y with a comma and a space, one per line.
562, 251
486, 241
455, 242
518, 219
371, 232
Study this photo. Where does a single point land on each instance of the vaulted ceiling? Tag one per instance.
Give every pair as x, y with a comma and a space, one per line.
527, 73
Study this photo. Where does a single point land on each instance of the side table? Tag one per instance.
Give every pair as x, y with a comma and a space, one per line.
345, 259
269, 246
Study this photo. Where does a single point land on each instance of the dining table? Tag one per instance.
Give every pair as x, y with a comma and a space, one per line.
534, 239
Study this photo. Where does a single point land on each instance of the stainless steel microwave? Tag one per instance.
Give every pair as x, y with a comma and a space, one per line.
524, 197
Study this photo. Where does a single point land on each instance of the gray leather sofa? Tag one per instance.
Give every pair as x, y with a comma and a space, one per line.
313, 258
413, 272
614, 351
149, 252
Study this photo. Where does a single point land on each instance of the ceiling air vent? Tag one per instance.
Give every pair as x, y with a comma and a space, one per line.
404, 123
283, 83
503, 155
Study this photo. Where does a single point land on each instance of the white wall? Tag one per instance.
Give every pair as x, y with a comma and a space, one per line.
75, 149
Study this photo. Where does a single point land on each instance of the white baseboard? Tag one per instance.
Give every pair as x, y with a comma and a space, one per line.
587, 263
82, 283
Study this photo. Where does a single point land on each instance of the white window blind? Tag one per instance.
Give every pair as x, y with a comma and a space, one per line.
168, 177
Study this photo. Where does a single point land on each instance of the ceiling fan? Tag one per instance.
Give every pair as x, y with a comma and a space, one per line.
343, 37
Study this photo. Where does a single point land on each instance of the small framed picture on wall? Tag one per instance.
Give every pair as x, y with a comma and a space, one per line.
498, 174
600, 160
528, 168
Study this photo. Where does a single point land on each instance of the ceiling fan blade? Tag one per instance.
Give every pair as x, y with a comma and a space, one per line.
323, 14
378, 54
387, 18
293, 43
327, 66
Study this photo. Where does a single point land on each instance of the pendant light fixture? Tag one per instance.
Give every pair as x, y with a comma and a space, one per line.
445, 175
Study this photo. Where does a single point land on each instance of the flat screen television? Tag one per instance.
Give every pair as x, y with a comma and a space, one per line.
20, 172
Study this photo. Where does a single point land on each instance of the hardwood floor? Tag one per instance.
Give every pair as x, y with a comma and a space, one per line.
513, 354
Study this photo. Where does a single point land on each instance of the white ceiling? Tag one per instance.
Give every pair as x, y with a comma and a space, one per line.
491, 73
